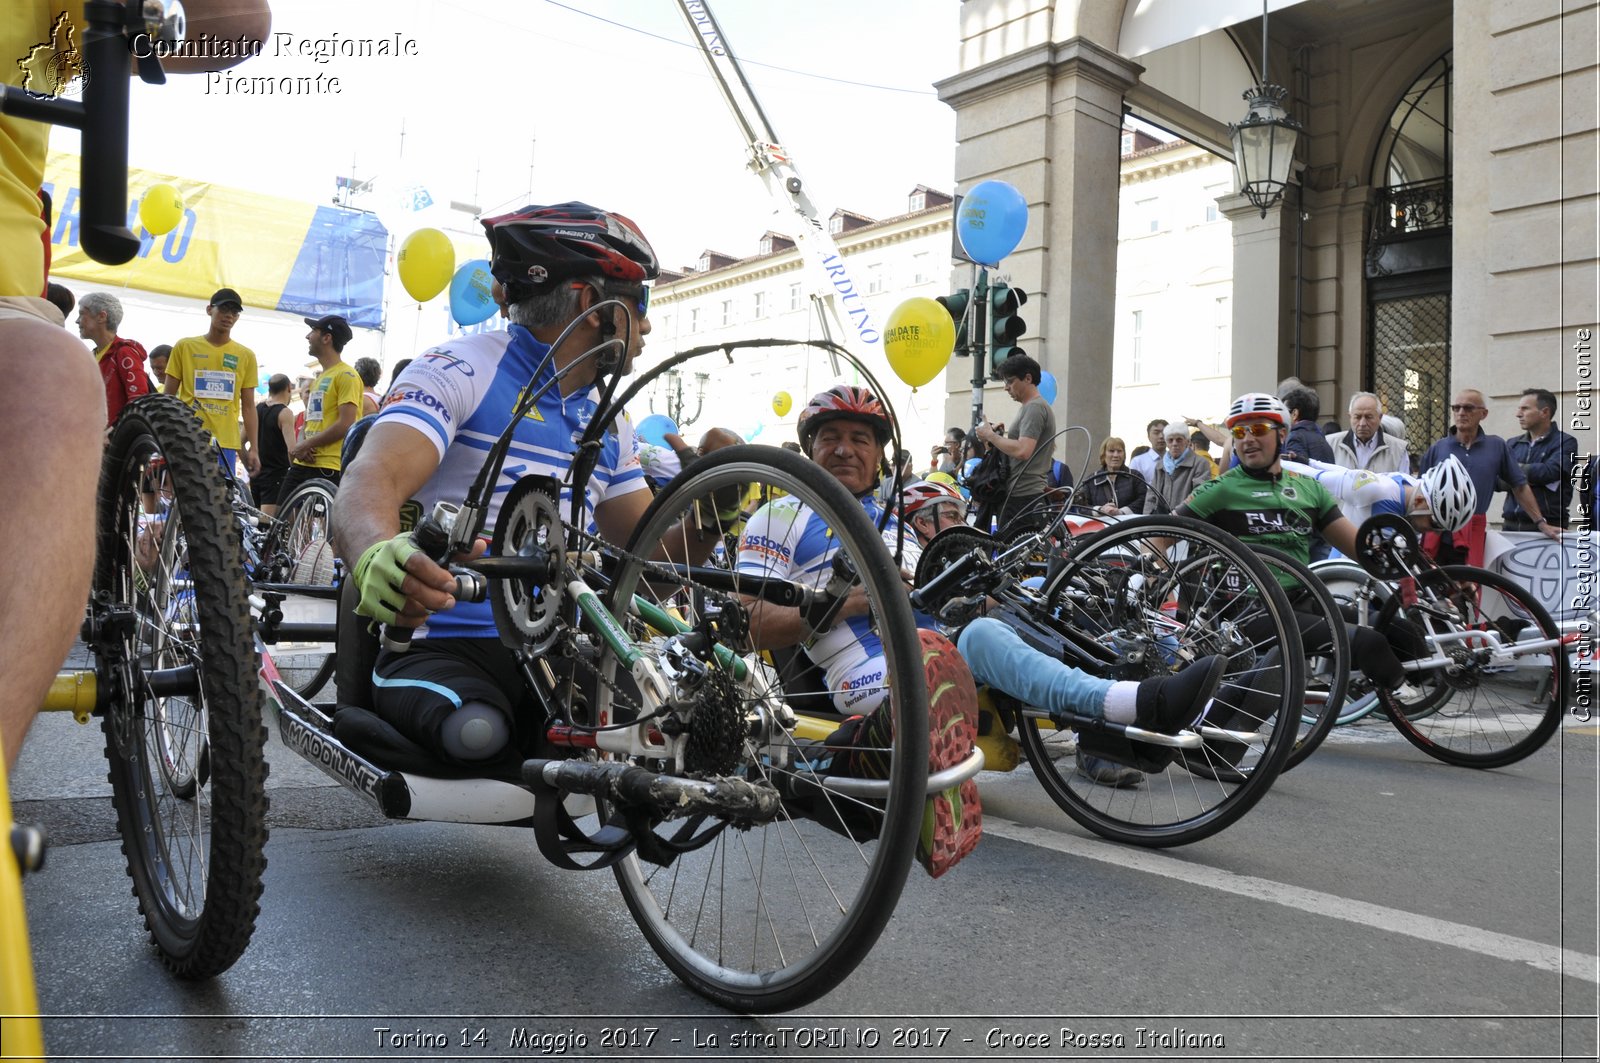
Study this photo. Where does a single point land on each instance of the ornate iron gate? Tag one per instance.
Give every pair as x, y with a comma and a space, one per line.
1409, 367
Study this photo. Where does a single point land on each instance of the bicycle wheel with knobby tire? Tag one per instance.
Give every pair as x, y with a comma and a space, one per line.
300, 547
1152, 594
1491, 707
183, 729
769, 917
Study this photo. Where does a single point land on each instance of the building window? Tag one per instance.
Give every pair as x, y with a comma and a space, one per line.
761, 304
836, 224
1222, 334
1213, 193
1137, 359
727, 312
1147, 215
921, 272
1127, 143
794, 297
875, 279
919, 201
694, 319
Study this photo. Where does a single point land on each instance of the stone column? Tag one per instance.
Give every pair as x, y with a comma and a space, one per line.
1048, 119
1262, 330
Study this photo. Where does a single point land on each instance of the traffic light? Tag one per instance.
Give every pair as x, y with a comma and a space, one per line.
1005, 326
957, 303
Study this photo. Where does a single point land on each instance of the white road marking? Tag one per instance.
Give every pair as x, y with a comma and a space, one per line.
1474, 939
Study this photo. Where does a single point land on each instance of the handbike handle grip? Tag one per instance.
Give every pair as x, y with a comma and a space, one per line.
935, 589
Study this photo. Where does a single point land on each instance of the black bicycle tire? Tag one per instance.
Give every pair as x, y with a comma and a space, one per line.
319, 676
1408, 724
1251, 787
1344, 569
204, 942
1307, 744
842, 950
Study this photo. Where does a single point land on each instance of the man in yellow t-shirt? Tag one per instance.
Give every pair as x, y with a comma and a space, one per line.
332, 406
212, 374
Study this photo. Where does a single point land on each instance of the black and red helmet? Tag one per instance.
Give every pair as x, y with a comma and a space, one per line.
535, 246
847, 403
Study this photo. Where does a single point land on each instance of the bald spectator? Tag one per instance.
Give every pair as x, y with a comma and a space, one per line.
1366, 445
121, 360
1486, 457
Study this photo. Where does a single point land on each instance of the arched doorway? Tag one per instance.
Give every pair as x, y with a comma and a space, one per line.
1408, 259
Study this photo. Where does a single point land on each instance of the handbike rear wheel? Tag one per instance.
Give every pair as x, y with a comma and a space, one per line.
186, 766
772, 916
1327, 672
1203, 594
1485, 713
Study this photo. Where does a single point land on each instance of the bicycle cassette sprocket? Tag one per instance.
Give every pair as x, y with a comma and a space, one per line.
526, 611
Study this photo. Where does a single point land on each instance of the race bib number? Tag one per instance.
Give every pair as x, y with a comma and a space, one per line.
213, 385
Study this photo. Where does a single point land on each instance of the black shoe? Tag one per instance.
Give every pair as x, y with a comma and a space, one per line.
1169, 703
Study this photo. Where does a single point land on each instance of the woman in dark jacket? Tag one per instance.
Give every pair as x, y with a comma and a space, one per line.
1115, 489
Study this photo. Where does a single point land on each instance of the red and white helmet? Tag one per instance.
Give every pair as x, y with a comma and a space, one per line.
535, 246
917, 496
1257, 404
1452, 496
843, 402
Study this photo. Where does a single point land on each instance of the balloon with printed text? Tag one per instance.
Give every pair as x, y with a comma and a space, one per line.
654, 429
161, 209
1047, 386
472, 293
425, 263
993, 218
782, 403
918, 340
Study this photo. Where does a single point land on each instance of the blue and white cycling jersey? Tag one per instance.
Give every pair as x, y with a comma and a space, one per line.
1361, 493
787, 540
460, 395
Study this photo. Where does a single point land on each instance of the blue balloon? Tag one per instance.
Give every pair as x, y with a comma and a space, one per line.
654, 429
472, 293
1047, 386
993, 218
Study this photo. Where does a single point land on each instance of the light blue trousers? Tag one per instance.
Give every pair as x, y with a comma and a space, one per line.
999, 658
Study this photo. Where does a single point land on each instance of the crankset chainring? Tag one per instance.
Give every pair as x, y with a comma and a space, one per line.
529, 522
716, 732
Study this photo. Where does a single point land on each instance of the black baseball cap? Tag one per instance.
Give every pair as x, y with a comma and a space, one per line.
333, 325
224, 296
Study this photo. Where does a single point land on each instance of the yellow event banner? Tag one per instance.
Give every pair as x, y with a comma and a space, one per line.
277, 253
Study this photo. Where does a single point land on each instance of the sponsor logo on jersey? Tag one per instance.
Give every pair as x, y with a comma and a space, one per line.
767, 547
441, 358
418, 397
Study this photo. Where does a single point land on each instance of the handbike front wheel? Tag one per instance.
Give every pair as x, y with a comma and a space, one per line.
1153, 594
1489, 707
183, 731
300, 551
769, 917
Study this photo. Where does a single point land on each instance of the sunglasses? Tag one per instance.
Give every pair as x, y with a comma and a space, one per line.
640, 294
1456, 407
1258, 429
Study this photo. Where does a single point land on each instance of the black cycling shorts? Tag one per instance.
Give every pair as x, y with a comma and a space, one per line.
415, 691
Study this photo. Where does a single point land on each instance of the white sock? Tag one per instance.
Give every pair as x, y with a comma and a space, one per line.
1121, 702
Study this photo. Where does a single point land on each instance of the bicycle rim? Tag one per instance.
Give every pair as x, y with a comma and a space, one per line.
302, 548
1163, 617
186, 767
1484, 710
771, 917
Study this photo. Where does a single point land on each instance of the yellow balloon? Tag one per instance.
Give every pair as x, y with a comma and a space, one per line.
161, 209
427, 262
781, 403
918, 340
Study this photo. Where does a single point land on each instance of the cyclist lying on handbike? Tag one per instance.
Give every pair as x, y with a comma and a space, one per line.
453, 691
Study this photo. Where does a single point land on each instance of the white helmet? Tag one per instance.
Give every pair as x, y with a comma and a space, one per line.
1452, 496
1257, 404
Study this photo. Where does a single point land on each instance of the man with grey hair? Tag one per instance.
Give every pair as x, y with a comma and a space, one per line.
121, 360
1366, 445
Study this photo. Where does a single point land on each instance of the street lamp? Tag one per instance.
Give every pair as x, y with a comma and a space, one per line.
1263, 144
674, 396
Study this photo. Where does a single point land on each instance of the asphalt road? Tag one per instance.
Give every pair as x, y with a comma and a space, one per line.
1375, 905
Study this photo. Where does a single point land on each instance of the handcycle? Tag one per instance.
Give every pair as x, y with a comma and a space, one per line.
1131, 599
655, 739
1492, 677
